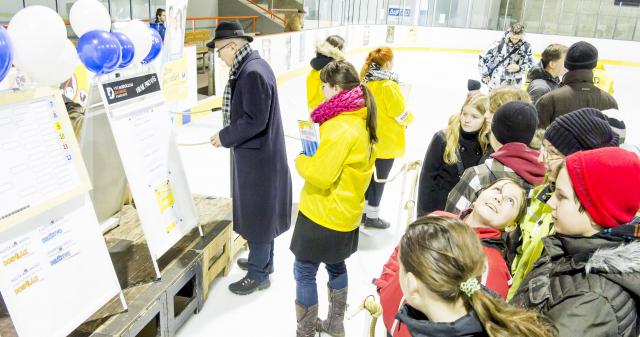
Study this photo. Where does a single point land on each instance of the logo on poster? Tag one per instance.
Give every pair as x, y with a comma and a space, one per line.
110, 93
394, 11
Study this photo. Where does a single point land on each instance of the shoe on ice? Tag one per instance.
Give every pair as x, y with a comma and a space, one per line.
247, 285
376, 223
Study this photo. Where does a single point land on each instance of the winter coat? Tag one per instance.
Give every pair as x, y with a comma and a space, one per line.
496, 278
325, 54
438, 178
533, 228
294, 24
588, 286
338, 174
497, 52
261, 183
541, 82
393, 118
418, 325
513, 160
576, 91
159, 27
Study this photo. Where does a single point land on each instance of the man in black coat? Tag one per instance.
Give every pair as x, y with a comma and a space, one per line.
261, 183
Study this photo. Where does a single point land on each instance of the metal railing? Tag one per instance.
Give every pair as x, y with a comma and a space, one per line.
271, 13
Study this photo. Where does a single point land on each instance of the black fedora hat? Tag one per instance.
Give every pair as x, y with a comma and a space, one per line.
229, 30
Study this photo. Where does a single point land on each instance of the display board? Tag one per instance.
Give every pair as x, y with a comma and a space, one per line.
42, 163
56, 270
145, 139
54, 265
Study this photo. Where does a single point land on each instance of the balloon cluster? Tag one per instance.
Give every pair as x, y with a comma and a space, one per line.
36, 43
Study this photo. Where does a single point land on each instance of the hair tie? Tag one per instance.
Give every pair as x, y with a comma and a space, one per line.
470, 286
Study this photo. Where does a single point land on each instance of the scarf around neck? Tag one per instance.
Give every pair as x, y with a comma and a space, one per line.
376, 73
346, 100
238, 60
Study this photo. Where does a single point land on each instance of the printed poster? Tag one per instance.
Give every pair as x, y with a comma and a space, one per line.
176, 22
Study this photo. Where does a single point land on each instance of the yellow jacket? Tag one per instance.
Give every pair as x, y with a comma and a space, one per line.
337, 176
315, 96
602, 79
393, 118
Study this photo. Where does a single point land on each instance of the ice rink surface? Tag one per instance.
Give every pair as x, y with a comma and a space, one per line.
438, 82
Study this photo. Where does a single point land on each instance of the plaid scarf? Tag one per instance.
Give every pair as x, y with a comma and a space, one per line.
375, 73
241, 55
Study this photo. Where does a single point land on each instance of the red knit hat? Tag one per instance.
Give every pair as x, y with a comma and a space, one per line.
606, 181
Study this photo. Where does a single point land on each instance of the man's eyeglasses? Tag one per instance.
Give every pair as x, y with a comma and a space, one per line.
223, 47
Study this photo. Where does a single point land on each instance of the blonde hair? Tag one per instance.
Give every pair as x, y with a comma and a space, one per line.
443, 253
505, 94
479, 103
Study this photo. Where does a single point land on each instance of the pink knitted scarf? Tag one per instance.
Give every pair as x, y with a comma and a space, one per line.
346, 100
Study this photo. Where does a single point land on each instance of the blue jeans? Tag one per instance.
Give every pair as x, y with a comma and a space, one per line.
260, 260
305, 275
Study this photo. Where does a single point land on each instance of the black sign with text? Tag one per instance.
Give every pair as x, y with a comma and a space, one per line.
118, 91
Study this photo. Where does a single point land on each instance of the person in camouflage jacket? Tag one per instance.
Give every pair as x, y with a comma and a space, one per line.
507, 61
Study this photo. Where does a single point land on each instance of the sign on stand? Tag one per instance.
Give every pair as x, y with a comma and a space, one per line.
55, 270
145, 139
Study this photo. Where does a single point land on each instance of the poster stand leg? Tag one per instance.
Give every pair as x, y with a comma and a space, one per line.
123, 301
200, 230
155, 267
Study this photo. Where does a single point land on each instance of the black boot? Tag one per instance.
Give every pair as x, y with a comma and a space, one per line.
376, 223
243, 263
247, 285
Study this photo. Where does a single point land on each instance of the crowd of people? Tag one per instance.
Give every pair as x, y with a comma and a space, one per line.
527, 209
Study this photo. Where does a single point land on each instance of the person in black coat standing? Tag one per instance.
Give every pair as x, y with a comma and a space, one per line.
260, 178
546, 76
451, 151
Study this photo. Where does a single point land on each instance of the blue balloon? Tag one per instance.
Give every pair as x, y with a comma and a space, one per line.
6, 54
128, 49
156, 46
99, 51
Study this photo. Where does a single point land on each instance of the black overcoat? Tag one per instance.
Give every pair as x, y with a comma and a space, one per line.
261, 182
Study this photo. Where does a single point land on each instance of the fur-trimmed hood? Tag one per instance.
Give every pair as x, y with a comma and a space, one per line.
325, 48
616, 259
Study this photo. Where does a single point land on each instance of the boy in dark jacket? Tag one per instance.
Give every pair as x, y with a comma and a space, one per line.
577, 89
512, 128
588, 278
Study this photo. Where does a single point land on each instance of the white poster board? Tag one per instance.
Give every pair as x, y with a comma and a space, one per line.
145, 139
54, 265
56, 271
42, 165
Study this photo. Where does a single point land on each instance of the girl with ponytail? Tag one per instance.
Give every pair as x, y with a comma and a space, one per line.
441, 266
332, 199
393, 119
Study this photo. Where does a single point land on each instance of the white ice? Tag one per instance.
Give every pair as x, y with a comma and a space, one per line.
439, 88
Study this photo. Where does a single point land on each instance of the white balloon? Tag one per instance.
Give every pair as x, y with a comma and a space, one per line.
87, 15
59, 68
37, 32
140, 36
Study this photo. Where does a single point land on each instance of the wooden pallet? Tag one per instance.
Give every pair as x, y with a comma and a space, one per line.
215, 250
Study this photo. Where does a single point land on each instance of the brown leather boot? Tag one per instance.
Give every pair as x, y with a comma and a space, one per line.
307, 318
334, 324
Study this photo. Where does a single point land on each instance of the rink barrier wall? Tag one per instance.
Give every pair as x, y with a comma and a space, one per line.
289, 53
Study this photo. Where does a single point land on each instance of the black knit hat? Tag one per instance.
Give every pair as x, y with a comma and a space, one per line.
515, 122
583, 129
581, 55
473, 85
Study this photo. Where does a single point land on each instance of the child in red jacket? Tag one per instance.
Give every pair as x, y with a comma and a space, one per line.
496, 209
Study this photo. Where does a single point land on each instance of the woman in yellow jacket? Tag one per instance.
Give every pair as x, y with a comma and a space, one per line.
332, 198
331, 49
393, 118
